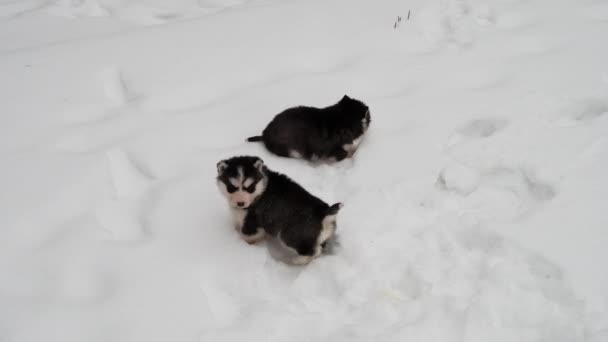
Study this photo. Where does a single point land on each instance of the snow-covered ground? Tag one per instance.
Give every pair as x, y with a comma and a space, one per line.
475, 209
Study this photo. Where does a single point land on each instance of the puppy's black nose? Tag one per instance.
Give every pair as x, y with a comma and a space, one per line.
240, 204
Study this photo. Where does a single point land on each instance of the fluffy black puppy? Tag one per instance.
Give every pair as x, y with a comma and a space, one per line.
329, 134
267, 202
241, 180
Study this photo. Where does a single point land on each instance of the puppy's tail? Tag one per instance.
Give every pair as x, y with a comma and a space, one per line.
255, 139
334, 208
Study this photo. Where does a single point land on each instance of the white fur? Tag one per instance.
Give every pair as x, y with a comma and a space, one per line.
353, 146
240, 195
305, 259
295, 154
221, 166
364, 121
247, 182
259, 165
239, 217
241, 176
328, 228
327, 231
301, 260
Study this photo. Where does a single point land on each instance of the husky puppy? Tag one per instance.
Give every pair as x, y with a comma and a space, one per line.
241, 180
328, 134
267, 202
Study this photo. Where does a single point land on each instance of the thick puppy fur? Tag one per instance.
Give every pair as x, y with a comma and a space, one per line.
317, 134
267, 202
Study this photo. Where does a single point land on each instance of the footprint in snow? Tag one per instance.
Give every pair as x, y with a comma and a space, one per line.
482, 128
115, 86
122, 215
100, 125
581, 112
477, 129
116, 95
501, 193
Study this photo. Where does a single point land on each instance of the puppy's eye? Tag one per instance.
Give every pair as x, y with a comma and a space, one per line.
250, 189
230, 188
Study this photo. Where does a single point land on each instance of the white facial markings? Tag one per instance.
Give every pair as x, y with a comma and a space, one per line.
240, 197
259, 188
235, 182
241, 176
248, 182
247, 198
365, 121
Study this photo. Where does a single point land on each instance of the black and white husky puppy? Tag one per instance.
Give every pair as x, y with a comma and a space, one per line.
267, 202
327, 134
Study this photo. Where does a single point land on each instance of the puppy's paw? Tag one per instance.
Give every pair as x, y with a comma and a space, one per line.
301, 260
252, 239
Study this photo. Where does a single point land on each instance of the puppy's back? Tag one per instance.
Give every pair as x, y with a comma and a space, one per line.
291, 130
286, 191
286, 203
293, 121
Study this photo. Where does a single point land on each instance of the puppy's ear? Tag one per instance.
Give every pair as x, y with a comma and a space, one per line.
259, 164
345, 98
221, 166
334, 208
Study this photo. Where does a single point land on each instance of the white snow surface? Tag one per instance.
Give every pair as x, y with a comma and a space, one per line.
475, 208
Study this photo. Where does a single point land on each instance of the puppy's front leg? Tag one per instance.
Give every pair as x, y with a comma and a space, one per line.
351, 147
339, 154
251, 232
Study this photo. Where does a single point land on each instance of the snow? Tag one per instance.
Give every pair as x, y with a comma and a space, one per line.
473, 208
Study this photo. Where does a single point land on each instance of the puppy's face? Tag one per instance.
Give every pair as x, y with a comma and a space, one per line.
359, 112
366, 120
241, 180
329, 224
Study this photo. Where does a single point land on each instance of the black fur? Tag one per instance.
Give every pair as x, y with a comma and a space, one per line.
284, 210
246, 163
316, 133
288, 211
